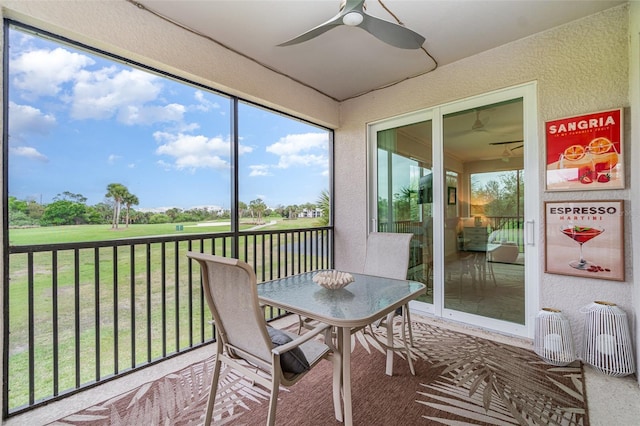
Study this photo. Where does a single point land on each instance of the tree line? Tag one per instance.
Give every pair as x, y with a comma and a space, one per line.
68, 208
500, 197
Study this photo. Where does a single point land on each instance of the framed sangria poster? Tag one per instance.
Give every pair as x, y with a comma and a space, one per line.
585, 239
585, 152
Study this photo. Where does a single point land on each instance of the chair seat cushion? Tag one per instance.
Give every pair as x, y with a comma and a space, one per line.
292, 361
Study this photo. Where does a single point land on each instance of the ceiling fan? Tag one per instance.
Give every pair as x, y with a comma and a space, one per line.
477, 124
352, 14
508, 152
507, 143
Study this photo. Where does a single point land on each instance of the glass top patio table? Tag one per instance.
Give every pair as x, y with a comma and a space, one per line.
361, 302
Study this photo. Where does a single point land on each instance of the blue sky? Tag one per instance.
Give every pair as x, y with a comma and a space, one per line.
78, 122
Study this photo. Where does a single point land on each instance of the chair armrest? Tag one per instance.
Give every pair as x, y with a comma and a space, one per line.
300, 340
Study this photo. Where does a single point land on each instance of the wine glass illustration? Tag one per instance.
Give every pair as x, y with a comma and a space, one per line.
581, 234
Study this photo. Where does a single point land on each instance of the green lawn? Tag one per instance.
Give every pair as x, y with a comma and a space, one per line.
82, 233
168, 283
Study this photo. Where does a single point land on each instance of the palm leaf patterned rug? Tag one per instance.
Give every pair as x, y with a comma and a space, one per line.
460, 379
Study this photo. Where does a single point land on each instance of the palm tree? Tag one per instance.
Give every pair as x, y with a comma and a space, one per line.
293, 211
324, 204
258, 206
129, 200
116, 191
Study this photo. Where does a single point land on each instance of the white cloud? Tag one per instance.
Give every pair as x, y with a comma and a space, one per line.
260, 170
287, 161
42, 72
204, 104
294, 144
194, 161
190, 127
28, 152
110, 92
244, 149
199, 96
27, 119
139, 114
113, 158
296, 150
96, 94
164, 165
194, 151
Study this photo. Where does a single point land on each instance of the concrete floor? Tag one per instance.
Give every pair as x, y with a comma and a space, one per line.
612, 400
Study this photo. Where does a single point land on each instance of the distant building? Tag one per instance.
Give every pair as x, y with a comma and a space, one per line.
312, 213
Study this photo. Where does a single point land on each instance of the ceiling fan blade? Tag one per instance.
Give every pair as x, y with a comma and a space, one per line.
505, 142
390, 33
314, 32
349, 6
517, 147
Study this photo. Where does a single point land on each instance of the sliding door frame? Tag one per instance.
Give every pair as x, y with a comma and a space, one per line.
532, 215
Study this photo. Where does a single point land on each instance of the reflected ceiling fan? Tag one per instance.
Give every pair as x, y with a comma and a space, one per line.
352, 13
478, 124
507, 152
483, 118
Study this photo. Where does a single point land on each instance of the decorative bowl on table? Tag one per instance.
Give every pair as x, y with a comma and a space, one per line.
333, 279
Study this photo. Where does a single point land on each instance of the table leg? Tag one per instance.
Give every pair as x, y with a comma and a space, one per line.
346, 376
337, 374
389, 369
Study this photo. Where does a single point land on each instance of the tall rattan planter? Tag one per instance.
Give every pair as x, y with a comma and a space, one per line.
553, 340
607, 340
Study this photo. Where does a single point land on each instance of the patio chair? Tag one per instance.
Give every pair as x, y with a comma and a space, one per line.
387, 256
505, 248
245, 343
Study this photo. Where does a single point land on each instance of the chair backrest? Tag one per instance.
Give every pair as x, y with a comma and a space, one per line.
230, 289
506, 235
387, 255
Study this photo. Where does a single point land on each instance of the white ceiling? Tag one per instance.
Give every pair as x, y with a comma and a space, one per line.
347, 61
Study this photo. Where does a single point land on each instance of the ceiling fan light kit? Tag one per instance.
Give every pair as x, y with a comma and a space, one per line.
477, 125
352, 19
352, 13
506, 154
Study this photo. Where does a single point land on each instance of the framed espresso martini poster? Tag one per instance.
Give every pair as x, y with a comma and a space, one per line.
585, 152
585, 239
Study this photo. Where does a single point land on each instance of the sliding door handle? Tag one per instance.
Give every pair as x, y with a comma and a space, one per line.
529, 233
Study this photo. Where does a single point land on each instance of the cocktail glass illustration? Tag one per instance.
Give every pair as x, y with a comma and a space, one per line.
605, 158
594, 162
581, 234
577, 157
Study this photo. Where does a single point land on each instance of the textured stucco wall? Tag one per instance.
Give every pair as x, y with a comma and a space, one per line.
579, 68
634, 90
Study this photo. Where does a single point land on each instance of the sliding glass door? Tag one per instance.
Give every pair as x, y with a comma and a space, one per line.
484, 262
455, 177
405, 193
